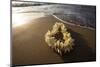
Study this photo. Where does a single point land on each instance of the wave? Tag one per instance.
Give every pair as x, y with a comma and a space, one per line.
73, 24
75, 14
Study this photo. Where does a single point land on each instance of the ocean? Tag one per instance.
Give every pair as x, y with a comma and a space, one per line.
83, 15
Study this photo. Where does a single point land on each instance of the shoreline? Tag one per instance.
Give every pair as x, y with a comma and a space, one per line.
73, 23
59, 20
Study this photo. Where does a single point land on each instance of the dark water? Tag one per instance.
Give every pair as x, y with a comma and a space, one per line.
82, 15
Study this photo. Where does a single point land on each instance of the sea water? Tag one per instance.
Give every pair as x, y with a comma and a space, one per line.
83, 15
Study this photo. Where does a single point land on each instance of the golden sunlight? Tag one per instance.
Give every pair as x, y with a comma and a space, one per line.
19, 19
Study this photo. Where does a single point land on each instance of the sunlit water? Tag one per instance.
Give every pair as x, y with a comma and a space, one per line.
76, 14
19, 17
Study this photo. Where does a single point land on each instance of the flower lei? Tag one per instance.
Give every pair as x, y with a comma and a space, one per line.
59, 38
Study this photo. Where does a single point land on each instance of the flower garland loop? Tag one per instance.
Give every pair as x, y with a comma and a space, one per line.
59, 38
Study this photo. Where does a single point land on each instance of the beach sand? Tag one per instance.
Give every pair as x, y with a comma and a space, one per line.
29, 47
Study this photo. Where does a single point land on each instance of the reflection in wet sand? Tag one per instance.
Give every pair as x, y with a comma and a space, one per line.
19, 19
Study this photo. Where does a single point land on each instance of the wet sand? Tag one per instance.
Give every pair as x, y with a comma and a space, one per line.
29, 47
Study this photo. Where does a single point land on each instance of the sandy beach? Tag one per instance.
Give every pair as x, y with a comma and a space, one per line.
29, 47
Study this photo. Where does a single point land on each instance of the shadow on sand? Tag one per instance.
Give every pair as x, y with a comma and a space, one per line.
81, 51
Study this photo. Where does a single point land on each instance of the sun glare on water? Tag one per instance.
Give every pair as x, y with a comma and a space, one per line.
19, 19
